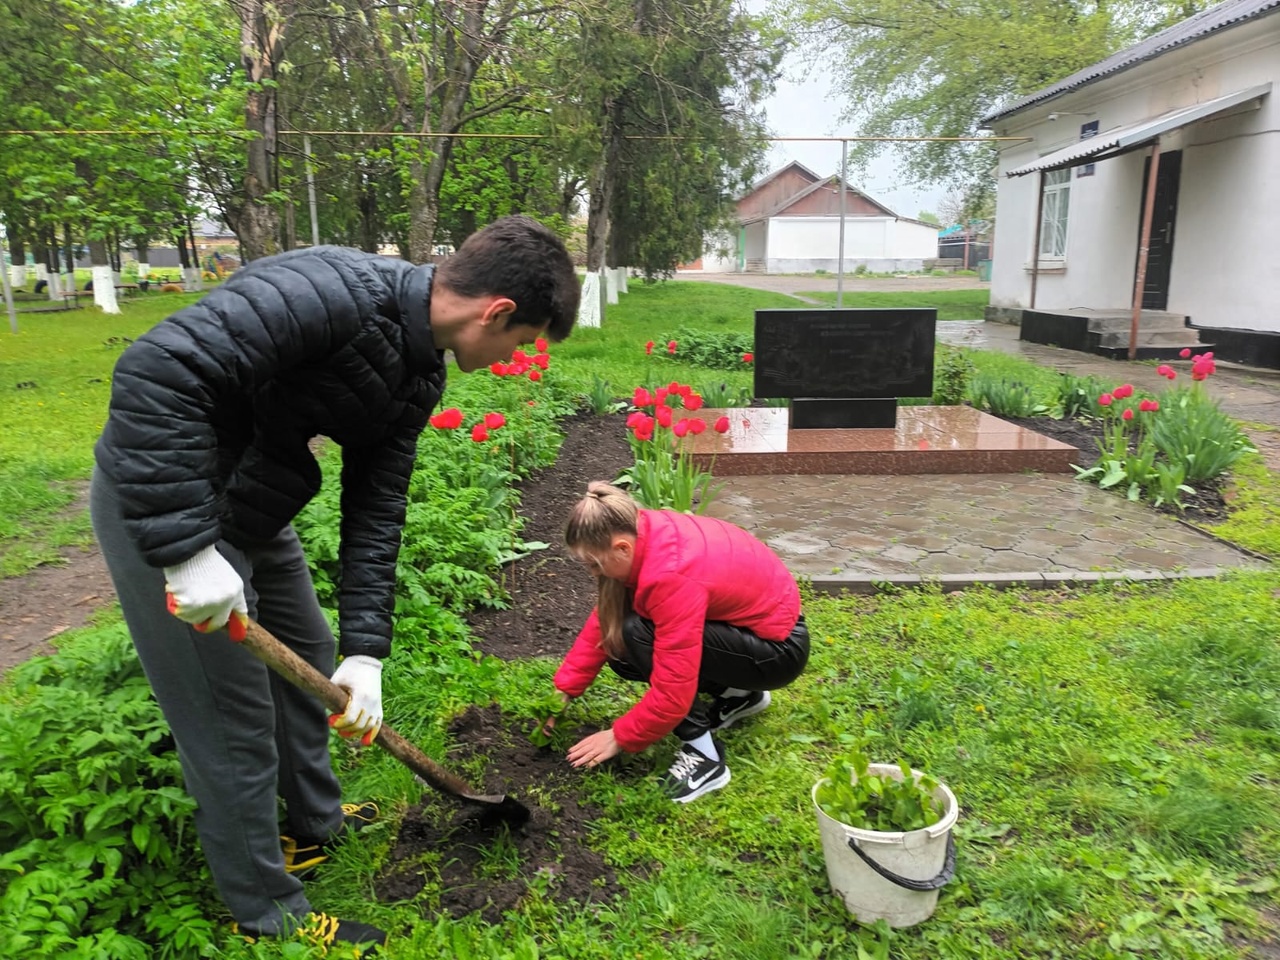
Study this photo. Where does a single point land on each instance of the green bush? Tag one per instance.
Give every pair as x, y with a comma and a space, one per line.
1192, 431
99, 857
702, 348
952, 371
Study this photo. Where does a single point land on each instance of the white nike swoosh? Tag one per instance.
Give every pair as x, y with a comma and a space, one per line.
695, 784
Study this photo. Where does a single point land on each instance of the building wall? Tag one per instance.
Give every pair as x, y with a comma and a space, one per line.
807, 244
1224, 272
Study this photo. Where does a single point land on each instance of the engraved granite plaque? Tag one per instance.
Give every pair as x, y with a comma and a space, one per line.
845, 353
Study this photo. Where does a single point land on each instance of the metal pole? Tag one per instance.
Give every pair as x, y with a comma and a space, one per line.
7, 285
1144, 246
844, 178
311, 190
1035, 249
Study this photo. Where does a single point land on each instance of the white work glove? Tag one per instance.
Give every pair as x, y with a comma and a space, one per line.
361, 677
207, 593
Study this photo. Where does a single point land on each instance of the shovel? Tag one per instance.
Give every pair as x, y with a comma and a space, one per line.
496, 808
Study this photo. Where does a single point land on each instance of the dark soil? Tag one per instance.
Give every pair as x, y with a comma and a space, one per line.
1208, 505
551, 597
552, 594
488, 869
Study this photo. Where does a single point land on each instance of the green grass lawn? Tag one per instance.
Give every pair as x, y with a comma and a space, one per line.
1114, 750
950, 304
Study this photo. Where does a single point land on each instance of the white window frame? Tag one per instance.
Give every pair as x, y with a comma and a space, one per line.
1055, 216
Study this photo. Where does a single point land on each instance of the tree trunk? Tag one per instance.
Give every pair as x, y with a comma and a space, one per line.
17, 253
368, 215
69, 258
195, 275
142, 250
261, 47
104, 283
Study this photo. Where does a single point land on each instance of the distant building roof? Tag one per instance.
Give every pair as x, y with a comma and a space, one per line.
1213, 20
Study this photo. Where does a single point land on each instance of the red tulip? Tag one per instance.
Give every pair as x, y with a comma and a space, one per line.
494, 420
696, 425
664, 416
748, 357
535, 375
479, 434
1127, 415
541, 360
450, 419
641, 398
648, 347
1184, 352
1123, 392
721, 425
671, 347
680, 428
660, 396
540, 345
693, 401
498, 369
1164, 369
519, 356
644, 431
1148, 406
1105, 400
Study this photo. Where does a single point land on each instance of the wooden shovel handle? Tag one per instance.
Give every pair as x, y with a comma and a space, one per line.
259, 641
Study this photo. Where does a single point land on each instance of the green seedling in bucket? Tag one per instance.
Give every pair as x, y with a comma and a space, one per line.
545, 713
872, 802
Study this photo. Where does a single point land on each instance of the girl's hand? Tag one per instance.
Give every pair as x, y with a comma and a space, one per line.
547, 725
594, 750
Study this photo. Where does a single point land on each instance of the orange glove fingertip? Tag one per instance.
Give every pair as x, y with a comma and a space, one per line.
238, 627
171, 603
335, 719
368, 738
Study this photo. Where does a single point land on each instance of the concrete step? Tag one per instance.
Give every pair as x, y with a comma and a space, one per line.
1148, 321
1152, 338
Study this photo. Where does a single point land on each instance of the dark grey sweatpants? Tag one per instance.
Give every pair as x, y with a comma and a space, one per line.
244, 735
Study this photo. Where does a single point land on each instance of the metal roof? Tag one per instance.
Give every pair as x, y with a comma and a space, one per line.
1216, 18
1112, 143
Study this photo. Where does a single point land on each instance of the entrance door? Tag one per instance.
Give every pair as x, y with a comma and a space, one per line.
1155, 292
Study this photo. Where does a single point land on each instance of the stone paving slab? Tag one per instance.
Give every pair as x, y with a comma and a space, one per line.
848, 532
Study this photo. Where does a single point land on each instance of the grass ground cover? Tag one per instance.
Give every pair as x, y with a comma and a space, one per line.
1114, 750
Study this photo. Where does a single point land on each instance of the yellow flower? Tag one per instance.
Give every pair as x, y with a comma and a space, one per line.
979, 708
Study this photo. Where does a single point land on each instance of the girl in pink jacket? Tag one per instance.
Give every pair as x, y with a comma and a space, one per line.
688, 605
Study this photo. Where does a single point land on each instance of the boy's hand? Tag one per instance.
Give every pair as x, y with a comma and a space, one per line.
207, 593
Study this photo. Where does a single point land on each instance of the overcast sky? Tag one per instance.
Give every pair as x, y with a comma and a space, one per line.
805, 105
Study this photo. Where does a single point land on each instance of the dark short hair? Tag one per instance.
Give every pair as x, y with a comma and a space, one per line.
518, 257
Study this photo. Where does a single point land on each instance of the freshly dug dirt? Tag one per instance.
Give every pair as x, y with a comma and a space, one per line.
489, 869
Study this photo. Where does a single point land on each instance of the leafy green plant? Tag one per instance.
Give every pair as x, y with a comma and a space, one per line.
549, 707
853, 795
96, 830
600, 398
1167, 484
952, 371
1077, 396
1195, 433
1005, 398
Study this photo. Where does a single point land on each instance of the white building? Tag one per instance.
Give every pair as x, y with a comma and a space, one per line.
1195, 102
789, 222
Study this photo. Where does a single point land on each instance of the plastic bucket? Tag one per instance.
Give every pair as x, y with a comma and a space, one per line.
890, 876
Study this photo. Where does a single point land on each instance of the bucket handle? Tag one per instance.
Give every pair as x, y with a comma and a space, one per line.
921, 886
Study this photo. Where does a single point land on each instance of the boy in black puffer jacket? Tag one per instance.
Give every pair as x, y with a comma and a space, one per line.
202, 466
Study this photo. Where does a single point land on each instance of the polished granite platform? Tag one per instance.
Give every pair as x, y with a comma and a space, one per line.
927, 439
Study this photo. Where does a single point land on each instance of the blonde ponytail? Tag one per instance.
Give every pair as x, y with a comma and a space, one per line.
594, 521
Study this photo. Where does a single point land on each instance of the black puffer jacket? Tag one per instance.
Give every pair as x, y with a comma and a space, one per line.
212, 410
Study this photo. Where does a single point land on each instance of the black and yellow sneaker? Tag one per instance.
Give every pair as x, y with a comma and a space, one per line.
304, 854
322, 930
328, 933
